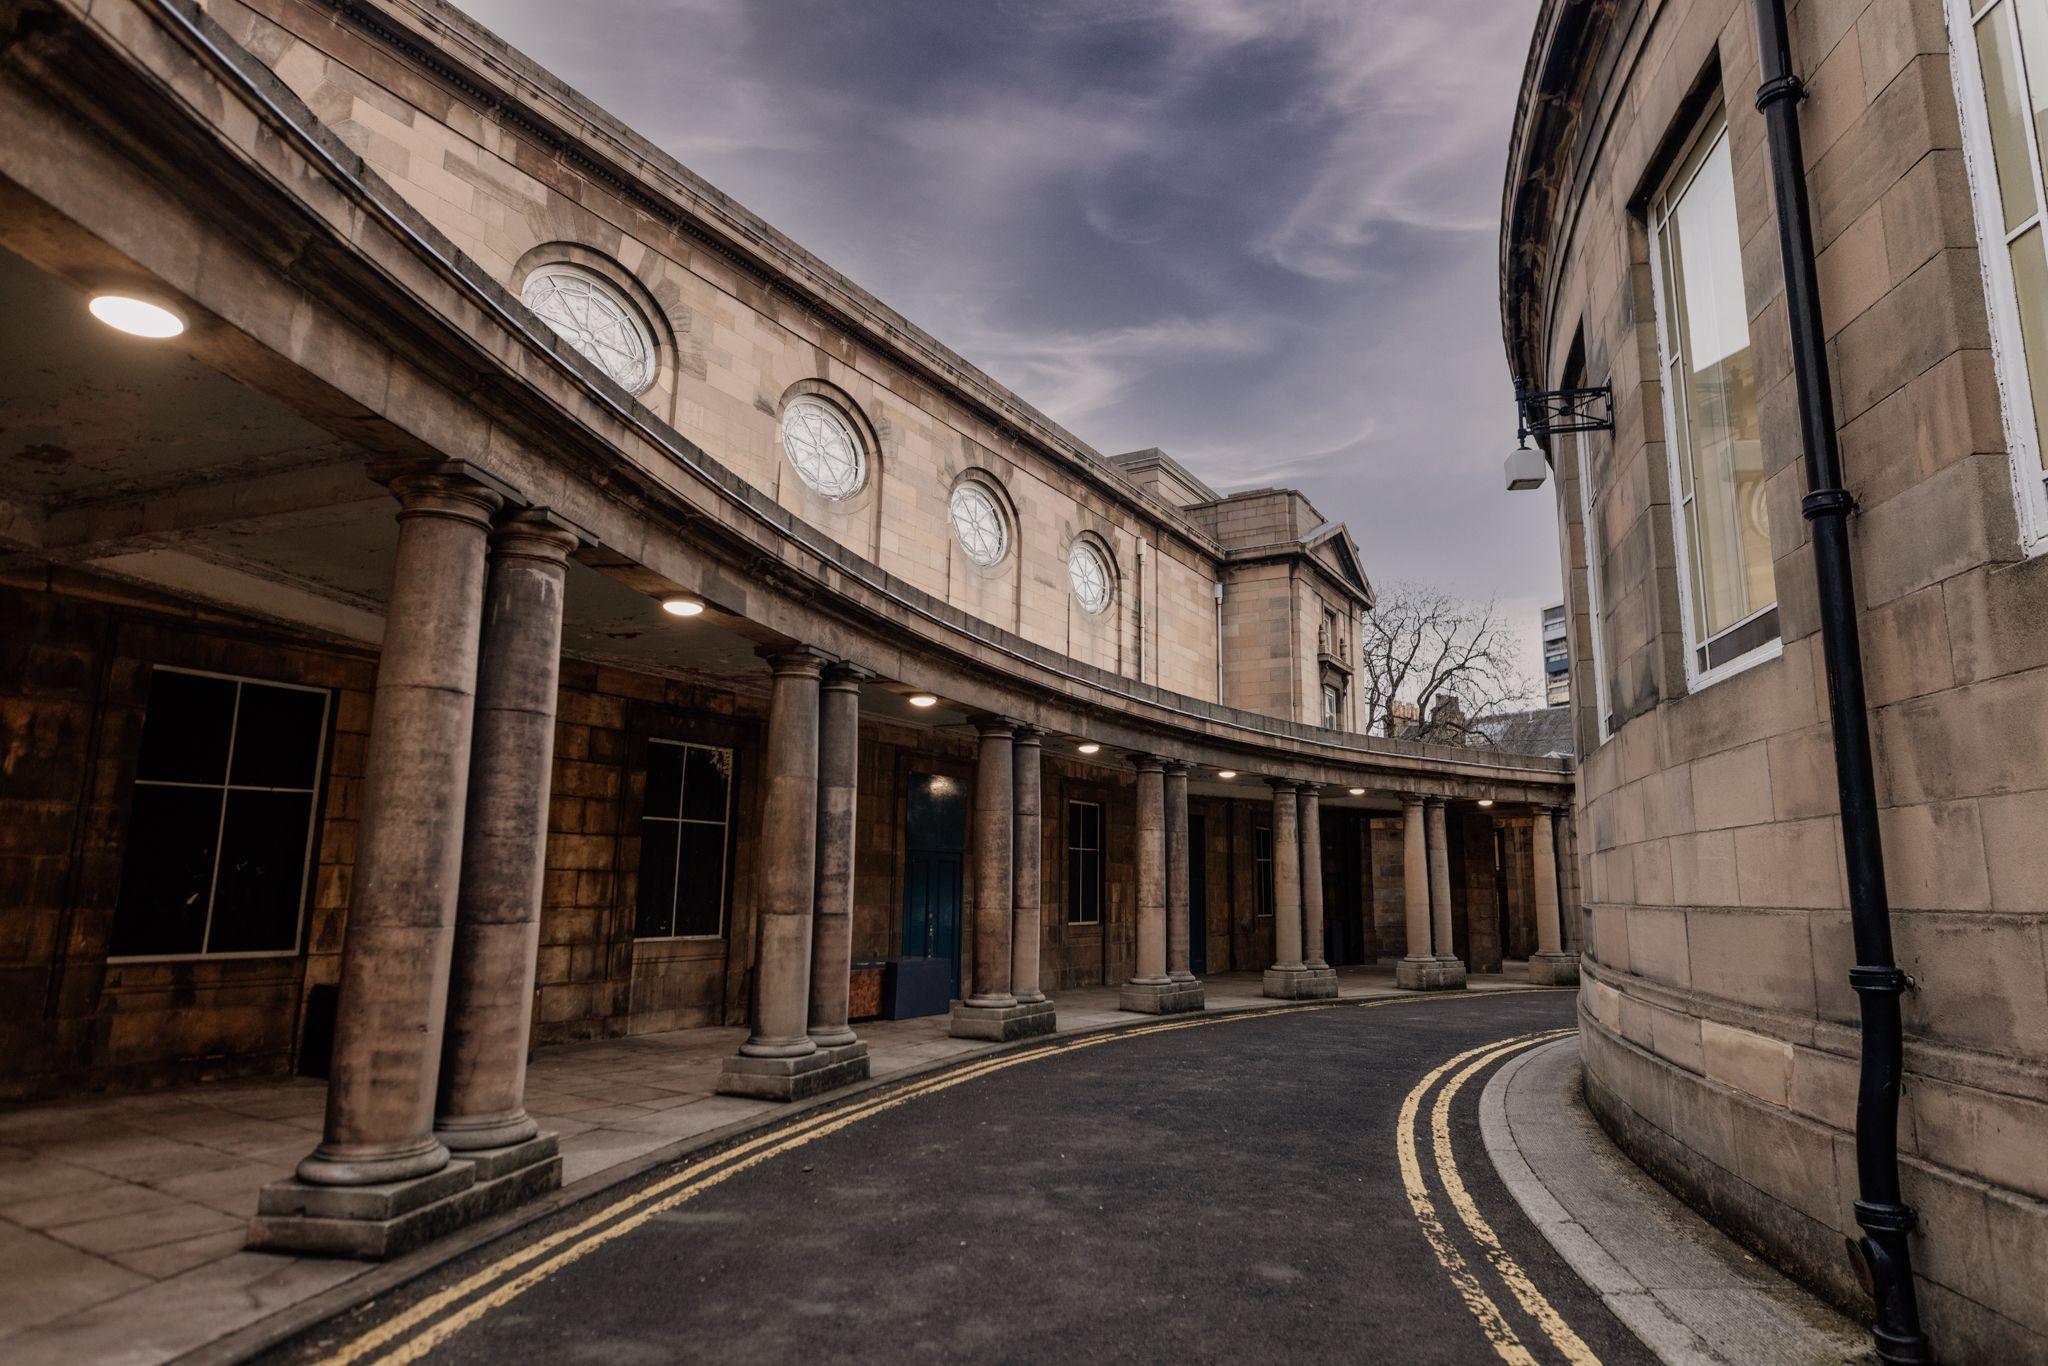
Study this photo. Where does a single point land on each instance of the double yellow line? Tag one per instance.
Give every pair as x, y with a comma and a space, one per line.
1507, 1344
408, 1336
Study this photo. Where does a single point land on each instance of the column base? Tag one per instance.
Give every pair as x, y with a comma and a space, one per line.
1004, 1024
1162, 998
1554, 969
1301, 984
389, 1219
797, 1078
1429, 974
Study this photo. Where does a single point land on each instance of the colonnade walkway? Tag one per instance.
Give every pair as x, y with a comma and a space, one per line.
123, 1218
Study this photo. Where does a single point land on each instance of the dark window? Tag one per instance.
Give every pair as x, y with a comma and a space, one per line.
1084, 863
220, 831
1262, 867
683, 842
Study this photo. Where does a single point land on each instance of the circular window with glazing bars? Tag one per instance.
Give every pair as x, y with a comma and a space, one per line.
978, 523
823, 448
596, 320
1088, 572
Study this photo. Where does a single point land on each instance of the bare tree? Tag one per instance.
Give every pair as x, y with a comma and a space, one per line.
1435, 665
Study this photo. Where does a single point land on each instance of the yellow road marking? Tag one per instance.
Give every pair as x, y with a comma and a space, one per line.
598, 1229
1533, 1302
1499, 1334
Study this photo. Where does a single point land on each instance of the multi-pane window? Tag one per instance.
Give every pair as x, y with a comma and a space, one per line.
1716, 450
1262, 868
1084, 863
1333, 706
220, 832
683, 842
2000, 50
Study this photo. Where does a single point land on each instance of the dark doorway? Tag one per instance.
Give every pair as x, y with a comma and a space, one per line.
934, 845
1198, 894
1344, 895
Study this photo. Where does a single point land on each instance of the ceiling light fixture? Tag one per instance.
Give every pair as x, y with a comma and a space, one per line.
1486, 801
1090, 748
137, 317
923, 699
681, 607
1226, 773
1358, 792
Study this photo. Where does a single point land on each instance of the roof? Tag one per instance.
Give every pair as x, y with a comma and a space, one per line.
1543, 730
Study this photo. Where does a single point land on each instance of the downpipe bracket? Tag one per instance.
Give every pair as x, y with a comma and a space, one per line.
1887, 981
1827, 503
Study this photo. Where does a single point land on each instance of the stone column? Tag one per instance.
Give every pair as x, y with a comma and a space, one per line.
1027, 858
1440, 891
991, 1010
401, 920
1550, 963
1284, 978
504, 852
779, 1060
1322, 974
1420, 970
832, 888
1163, 984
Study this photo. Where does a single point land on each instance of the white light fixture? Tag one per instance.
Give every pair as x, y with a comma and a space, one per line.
923, 699
681, 607
1090, 748
1526, 468
137, 317
1486, 801
1226, 773
1358, 792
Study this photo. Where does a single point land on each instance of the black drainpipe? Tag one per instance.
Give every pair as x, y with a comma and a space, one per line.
1883, 1260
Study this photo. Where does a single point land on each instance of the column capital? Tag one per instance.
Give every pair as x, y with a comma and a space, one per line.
1435, 801
530, 534
442, 493
844, 674
1280, 785
1176, 769
1411, 799
1312, 789
988, 723
1028, 734
1148, 763
804, 660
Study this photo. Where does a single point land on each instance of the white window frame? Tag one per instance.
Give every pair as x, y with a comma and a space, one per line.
227, 786
1601, 702
1098, 849
2008, 348
1712, 128
724, 851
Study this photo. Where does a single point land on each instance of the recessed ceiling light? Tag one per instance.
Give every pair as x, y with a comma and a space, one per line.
923, 699
136, 317
1486, 801
1358, 792
681, 607
1090, 748
1226, 773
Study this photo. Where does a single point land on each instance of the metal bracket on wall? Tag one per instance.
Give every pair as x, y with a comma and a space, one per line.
1555, 412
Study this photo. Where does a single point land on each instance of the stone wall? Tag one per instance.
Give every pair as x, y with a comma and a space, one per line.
1721, 1031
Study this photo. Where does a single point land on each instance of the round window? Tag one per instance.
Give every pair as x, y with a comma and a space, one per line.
823, 448
596, 320
1089, 573
978, 522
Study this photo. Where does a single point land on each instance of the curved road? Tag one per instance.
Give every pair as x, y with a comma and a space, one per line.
1295, 1185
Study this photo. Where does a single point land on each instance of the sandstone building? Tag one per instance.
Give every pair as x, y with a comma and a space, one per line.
1641, 250
510, 594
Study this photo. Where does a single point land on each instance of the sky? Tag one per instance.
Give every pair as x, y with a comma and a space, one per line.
1259, 234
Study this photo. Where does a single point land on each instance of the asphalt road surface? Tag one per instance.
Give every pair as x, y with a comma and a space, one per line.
1294, 1186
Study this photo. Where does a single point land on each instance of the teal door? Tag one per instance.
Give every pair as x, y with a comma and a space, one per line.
1198, 895
934, 846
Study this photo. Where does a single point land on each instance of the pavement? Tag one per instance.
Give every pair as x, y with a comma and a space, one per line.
1689, 1292
122, 1218
1305, 1183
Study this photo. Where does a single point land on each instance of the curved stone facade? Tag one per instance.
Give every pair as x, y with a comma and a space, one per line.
1720, 1033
